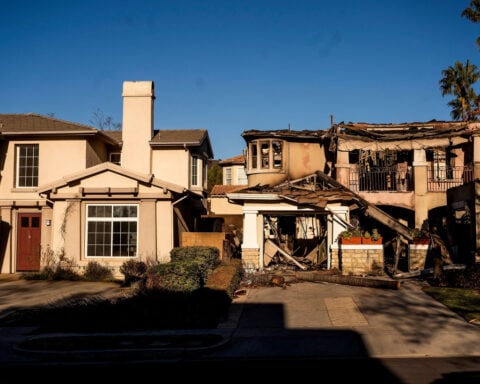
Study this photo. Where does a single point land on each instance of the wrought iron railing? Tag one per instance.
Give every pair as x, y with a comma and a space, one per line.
381, 179
441, 178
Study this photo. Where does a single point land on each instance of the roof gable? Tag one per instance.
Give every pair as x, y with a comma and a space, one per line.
115, 170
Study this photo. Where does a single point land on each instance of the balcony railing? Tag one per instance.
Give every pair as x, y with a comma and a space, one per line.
389, 179
381, 179
440, 178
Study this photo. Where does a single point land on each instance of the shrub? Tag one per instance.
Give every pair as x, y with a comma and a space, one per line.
97, 272
175, 276
133, 271
208, 257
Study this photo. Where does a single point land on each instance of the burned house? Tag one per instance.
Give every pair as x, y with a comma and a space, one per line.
304, 187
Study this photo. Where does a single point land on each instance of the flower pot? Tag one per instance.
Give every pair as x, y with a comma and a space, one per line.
372, 241
421, 240
352, 240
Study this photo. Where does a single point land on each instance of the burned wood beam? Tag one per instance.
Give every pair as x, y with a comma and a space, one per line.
285, 254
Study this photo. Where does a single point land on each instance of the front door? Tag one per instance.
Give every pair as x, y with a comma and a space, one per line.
28, 244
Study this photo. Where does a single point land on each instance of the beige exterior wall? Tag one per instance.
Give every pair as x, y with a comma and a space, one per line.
164, 230
236, 172
6, 240
219, 205
96, 153
398, 199
57, 158
298, 160
172, 165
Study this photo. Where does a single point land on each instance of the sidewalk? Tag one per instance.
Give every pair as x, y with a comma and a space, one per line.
302, 321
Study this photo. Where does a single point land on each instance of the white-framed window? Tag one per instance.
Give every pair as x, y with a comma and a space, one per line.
115, 158
228, 175
241, 176
26, 165
196, 172
112, 230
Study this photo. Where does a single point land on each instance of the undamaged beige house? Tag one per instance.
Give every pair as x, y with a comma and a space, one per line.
75, 192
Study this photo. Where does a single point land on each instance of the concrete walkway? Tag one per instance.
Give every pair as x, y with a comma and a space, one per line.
304, 322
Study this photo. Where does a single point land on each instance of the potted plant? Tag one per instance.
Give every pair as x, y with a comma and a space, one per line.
420, 237
350, 237
372, 238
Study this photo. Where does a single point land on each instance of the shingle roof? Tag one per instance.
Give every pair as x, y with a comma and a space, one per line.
179, 136
224, 189
33, 123
236, 160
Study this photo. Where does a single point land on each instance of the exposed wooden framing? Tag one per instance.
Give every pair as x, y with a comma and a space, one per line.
285, 254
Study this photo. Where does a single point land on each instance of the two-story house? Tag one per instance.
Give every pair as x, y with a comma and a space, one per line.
305, 186
74, 192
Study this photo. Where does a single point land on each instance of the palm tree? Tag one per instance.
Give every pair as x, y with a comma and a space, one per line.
472, 13
458, 81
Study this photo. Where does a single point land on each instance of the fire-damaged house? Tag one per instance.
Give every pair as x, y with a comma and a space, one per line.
307, 189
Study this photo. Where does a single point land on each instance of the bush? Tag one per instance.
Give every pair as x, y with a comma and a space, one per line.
207, 257
97, 272
175, 276
133, 271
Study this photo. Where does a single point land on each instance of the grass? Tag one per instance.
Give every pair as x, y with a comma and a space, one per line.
463, 301
459, 290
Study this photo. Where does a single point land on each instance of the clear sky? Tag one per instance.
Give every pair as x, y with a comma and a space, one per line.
231, 66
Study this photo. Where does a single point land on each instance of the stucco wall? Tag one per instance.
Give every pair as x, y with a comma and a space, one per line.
57, 158
171, 165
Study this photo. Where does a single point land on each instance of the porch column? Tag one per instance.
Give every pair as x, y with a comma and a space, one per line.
6, 235
250, 247
420, 182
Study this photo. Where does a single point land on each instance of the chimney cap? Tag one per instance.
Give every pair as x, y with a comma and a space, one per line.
138, 88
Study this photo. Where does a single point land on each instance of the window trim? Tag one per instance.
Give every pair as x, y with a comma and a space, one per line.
196, 176
18, 147
262, 156
111, 220
228, 176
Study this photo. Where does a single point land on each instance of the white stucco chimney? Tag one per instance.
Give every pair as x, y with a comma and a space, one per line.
137, 125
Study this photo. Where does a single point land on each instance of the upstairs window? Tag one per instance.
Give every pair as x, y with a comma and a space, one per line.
241, 176
27, 165
196, 170
265, 154
228, 176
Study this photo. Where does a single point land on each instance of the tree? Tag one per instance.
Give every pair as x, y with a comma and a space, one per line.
214, 175
104, 123
472, 13
458, 81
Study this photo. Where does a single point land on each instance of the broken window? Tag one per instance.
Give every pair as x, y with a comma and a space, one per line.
265, 154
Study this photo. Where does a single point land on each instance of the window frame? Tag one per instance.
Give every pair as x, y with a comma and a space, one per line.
34, 174
266, 155
197, 173
228, 176
112, 220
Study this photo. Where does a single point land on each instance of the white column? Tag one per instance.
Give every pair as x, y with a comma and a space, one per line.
250, 237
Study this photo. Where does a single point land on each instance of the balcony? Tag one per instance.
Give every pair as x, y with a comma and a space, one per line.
440, 178
390, 179
385, 179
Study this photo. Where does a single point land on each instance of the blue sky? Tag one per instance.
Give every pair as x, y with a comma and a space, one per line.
231, 66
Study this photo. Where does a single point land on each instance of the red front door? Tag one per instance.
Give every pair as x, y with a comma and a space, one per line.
28, 244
